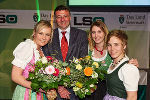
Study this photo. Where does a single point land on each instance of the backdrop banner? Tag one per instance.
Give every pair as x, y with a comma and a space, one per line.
136, 24
21, 19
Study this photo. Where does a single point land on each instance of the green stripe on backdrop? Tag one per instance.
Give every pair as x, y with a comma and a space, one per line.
38, 9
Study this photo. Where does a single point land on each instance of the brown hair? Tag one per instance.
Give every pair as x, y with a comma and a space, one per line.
43, 24
103, 27
119, 34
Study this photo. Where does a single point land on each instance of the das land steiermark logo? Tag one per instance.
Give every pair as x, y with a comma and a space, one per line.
121, 19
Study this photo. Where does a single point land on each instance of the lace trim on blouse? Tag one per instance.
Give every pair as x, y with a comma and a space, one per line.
99, 59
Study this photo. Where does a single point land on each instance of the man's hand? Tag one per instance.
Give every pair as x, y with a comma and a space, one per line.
63, 92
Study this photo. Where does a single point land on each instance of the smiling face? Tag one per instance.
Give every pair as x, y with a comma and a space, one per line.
97, 35
116, 48
42, 37
62, 19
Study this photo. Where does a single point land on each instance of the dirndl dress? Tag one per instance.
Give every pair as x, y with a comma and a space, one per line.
22, 93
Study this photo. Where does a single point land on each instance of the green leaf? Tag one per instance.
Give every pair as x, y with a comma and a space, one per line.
31, 75
52, 85
101, 76
65, 64
44, 85
35, 86
80, 94
60, 62
61, 82
66, 80
88, 93
35, 80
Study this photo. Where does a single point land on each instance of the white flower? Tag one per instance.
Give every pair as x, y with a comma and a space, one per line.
92, 85
94, 75
50, 69
76, 61
78, 66
86, 90
104, 64
44, 60
75, 88
42, 71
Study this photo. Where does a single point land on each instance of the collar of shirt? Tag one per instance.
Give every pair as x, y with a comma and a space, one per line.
123, 60
67, 35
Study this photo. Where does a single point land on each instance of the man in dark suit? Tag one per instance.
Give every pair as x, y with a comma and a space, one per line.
77, 44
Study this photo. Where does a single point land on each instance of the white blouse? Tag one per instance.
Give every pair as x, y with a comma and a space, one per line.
99, 59
129, 74
23, 53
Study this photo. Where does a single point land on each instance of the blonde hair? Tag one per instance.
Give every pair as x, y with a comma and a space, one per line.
40, 25
103, 27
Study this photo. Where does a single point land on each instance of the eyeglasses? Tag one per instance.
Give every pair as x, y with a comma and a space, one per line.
64, 17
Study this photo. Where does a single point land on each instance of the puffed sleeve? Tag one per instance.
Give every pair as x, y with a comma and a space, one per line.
23, 53
130, 77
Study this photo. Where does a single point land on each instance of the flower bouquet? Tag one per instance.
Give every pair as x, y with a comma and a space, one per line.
46, 75
83, 74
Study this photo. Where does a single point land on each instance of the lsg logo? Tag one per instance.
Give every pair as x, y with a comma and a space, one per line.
86, 20
8, 19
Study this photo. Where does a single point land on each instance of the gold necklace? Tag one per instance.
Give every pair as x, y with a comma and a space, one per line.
40, 52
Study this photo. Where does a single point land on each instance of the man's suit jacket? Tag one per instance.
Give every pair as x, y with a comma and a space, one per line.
78, 45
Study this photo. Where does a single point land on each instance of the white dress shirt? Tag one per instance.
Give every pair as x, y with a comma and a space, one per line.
67, 35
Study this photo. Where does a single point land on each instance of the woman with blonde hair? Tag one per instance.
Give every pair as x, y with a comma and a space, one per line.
25, 55
98, 52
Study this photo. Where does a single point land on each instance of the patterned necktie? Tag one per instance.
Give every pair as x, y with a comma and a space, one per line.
64, 46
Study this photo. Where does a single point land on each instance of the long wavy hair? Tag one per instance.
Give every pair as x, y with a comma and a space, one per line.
103, 27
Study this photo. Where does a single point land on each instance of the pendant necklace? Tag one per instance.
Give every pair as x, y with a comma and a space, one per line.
101, 52
114, 64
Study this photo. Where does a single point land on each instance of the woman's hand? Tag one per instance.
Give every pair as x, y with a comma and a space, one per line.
92, 89
51, 94
42, 90
63, 92
134, 62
